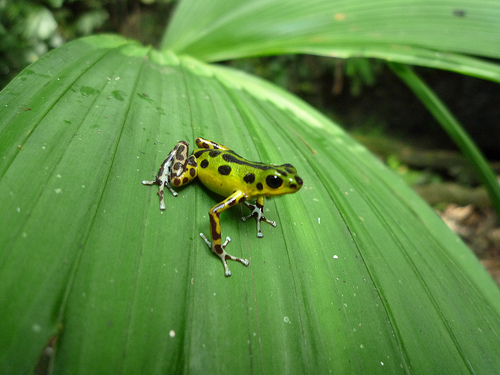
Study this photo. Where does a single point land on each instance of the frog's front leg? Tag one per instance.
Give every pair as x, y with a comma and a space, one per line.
216, 244
258, 213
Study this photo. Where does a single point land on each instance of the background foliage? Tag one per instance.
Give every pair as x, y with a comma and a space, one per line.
28, 29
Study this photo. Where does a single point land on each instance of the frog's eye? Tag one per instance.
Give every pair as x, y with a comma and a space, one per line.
273, 181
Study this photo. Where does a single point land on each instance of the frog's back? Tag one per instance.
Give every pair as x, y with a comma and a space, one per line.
224, 172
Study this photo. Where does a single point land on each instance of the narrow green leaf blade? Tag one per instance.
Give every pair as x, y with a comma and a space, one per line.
232, 29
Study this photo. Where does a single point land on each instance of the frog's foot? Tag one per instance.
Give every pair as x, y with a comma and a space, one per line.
161, 184
257, 212
220, 251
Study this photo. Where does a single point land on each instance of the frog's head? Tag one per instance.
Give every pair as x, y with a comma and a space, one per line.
282, 179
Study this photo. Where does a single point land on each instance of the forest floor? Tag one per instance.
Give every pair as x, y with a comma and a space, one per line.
480, 230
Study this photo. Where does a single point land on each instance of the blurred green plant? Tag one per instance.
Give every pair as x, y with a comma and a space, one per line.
28, 29
305, 75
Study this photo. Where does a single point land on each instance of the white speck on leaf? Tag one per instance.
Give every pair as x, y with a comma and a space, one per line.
36, 328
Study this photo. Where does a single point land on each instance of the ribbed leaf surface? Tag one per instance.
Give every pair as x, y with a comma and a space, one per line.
404, 29
360, 276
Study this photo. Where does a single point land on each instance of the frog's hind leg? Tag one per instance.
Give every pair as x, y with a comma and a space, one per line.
177, 169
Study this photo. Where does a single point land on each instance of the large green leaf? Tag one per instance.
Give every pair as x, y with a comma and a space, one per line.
360, 276
421, 32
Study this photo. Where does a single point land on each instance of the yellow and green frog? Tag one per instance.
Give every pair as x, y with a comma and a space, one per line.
226, 173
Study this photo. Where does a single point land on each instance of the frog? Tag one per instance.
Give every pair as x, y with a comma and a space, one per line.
231, 176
